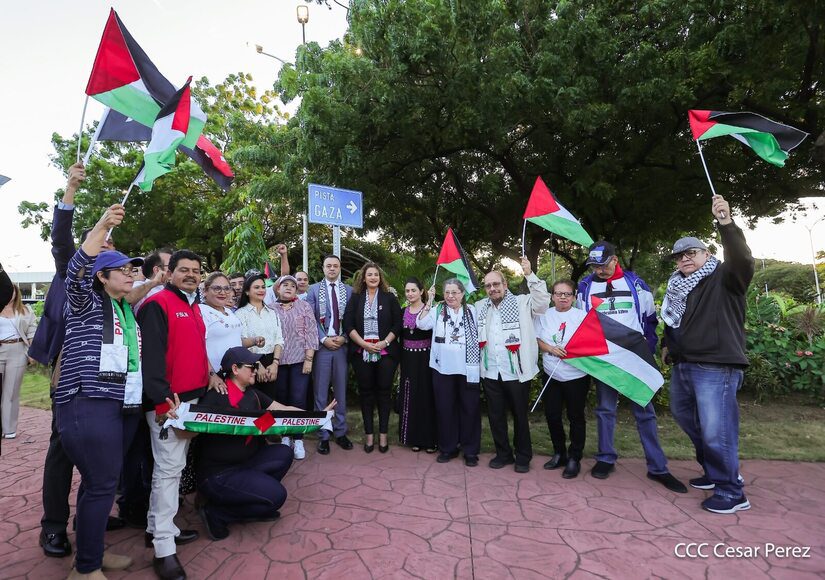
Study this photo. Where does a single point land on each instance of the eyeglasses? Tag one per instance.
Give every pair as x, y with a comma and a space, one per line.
563, 294
690, 254
492, 285
126, 270
452, 293
221, 289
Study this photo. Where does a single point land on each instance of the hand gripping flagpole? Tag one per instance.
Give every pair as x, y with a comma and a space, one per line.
541, 394
80, 133
707, 173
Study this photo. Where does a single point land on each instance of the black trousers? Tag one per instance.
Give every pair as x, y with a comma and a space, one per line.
458, 411
136, 476
57, 484
573, 395
515, 397
375, 386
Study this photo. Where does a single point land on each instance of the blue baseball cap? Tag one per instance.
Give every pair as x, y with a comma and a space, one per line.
600, 253
113, 259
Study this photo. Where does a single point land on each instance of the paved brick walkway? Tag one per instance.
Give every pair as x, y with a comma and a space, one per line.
402, 515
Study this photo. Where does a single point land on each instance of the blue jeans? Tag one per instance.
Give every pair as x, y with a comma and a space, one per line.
250, 490
291, 387
95, 434
608, 400
703, 402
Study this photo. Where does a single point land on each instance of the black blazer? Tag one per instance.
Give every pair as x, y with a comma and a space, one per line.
389, 320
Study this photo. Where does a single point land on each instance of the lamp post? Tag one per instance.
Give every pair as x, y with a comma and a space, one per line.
813, 258
260, 50
303, 18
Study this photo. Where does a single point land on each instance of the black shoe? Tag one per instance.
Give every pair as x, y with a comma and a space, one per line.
522, 468
184, 537
344, 442
55, 545
572, 469
556, 461
445, 457
668, 481
215, 528
323, 447
369, 448
499, 462
602, 470
383, 448
471, 460
169, 568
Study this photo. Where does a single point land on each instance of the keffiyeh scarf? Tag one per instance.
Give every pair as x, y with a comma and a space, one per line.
510, 327
322, 301
472, 352
678, 288
371, 326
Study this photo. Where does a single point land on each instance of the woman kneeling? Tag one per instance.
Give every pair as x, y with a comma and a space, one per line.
240, 477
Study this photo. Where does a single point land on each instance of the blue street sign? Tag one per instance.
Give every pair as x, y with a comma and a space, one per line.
335, 207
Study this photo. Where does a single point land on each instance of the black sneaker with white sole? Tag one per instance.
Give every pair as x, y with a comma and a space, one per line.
725, 505
704, 482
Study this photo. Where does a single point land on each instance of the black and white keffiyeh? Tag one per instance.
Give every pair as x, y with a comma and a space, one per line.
678, 288
472, 352
371, 325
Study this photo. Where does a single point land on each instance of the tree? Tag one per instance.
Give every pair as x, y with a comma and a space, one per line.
444, 112
797, 280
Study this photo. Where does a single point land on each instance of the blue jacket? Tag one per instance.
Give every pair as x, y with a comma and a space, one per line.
48, 340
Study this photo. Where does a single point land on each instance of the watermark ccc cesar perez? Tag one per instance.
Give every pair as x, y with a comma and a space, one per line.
723, 550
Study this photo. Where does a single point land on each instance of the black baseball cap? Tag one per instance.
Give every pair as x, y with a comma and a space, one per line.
600, 253
238, 355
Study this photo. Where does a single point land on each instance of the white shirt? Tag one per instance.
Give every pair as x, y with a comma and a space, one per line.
333, 295
223, 331
498, 359
549, 329
8, 330
620, 305
264, 323
450, 356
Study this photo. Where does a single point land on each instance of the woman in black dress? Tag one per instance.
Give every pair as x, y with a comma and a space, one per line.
416, 423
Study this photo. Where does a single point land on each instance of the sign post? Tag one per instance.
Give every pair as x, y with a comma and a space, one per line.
335, 207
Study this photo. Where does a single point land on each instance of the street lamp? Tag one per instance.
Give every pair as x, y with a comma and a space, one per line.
303, 18
813, 258
260, 50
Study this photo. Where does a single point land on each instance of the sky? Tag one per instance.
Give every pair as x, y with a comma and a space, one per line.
46, 55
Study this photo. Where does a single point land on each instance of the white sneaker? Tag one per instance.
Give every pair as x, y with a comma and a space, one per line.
286, 441
10, 436
298, 449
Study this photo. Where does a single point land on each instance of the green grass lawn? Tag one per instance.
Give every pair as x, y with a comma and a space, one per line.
792, 429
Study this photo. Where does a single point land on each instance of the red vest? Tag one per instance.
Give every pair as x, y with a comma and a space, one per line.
187, 365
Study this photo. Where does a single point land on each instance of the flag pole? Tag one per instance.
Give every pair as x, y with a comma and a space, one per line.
80, 133
552, 259
707, 173
523, 234
435, 276
123, 202
558, 362
95, 137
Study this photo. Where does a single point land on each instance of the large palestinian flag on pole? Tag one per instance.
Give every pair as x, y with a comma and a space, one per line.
453, 259
168, 132
616, 355
222, 421
124, 79
770, 140
545, 211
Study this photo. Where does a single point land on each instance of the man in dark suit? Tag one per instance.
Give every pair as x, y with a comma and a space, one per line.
328, 299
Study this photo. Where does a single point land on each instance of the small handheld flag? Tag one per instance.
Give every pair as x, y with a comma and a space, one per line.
544, 210
770, 140
168, 132
452, 258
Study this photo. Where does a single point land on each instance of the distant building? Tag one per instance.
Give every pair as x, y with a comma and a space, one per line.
33, 285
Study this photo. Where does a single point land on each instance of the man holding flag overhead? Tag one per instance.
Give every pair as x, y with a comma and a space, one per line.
624, 297
509, 352
704, 314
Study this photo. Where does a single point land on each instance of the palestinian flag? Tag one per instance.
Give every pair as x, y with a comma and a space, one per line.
124, 79
545, 211
168, 132
118, 127
770, 140
616, 355
223, 421
453, 259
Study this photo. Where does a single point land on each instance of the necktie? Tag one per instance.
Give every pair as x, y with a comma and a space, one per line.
336, 318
